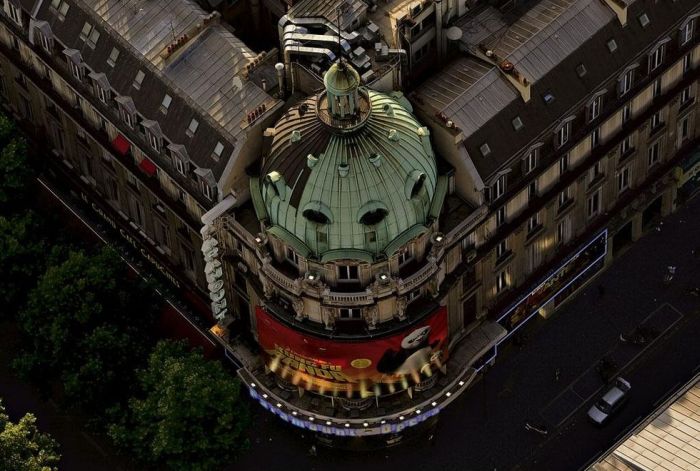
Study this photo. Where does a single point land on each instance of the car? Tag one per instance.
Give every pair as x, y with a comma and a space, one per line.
611, 401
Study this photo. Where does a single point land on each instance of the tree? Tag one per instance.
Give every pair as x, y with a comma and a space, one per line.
189, 415
89, 324
23, 253
23, 447
15, 173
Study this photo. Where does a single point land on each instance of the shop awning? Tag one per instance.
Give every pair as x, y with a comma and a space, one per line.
148, 167
121, 144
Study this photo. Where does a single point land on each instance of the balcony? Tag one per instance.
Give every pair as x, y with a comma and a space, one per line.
348, 299
288, 284
418, 277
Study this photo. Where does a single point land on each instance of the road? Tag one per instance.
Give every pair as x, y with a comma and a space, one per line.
484, 429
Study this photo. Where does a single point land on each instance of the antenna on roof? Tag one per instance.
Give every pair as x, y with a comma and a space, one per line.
340, 53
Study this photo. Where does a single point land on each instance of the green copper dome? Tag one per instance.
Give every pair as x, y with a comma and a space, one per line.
355, 186
341, 78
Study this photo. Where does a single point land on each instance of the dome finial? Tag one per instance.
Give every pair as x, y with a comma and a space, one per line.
342, 82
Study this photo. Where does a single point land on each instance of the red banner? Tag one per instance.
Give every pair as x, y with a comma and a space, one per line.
368, 367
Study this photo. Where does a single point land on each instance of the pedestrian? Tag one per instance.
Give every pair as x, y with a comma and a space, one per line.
312, 450
557, 372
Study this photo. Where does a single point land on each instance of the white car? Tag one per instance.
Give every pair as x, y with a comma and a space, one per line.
610, 402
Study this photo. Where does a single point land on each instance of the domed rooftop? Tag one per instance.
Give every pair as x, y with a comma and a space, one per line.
354, 181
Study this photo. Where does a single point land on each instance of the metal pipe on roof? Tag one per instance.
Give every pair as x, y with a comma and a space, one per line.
294, 47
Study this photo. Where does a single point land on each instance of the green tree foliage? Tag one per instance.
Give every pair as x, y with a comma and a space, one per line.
23, 447
189, 416
88, 324
16, 172
23, 257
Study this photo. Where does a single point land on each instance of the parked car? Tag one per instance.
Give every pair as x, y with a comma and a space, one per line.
610, 402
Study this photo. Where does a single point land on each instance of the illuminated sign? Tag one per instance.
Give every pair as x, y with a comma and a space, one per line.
338, 429
585, 262
367, 367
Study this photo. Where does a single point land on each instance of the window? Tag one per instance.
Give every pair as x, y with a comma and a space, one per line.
76, 70
548, 98
654, 153
623, 179
218, 150
656, 58
686, 63
595, 171
626, 82
187, 257
348, 273
626, 146
352, 313
685, 95
531, 160
192, 128
102, 94
581, 70
626, 112
687, 32
165, 104
564, 231
500, 216
501, 281
113, 56
15, 13
644, 20
162, 234
532, 190
612, 45
155, 142
655, 120
501, 249
563, 134
684, 129
564, 163
60, 8
517, 123
595, 107
128, 119
292, 257
593, 205
206, 189
90, 34
563, 198
485, 149
656, 88
533, 222
405, 256
499, 188
179, 165
138, 80
45, 41
595, 138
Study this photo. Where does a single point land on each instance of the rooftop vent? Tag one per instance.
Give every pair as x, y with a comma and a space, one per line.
581, 70
393, 135
375, 159
517, 123
343, 170
295, 136
485, 149
311, 160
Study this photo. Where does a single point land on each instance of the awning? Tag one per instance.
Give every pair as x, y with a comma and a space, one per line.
121, 144
148, 167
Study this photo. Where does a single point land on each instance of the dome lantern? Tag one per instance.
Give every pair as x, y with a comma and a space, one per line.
342, 83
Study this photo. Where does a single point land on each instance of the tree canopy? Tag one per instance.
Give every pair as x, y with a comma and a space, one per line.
15, 169
89, 324
23, 447
189, 415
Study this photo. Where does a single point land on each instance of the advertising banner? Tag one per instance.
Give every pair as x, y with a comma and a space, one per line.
368, 367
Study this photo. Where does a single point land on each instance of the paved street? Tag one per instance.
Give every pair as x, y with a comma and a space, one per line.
485, 428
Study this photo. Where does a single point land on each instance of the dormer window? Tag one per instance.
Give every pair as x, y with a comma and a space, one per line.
180, 159
15, 13
101, 86
563, 133
153, 134
656, 58
530, 160
127, 110
687, 32
594, 107
75, 62
44, 35
499, 188
625, 82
